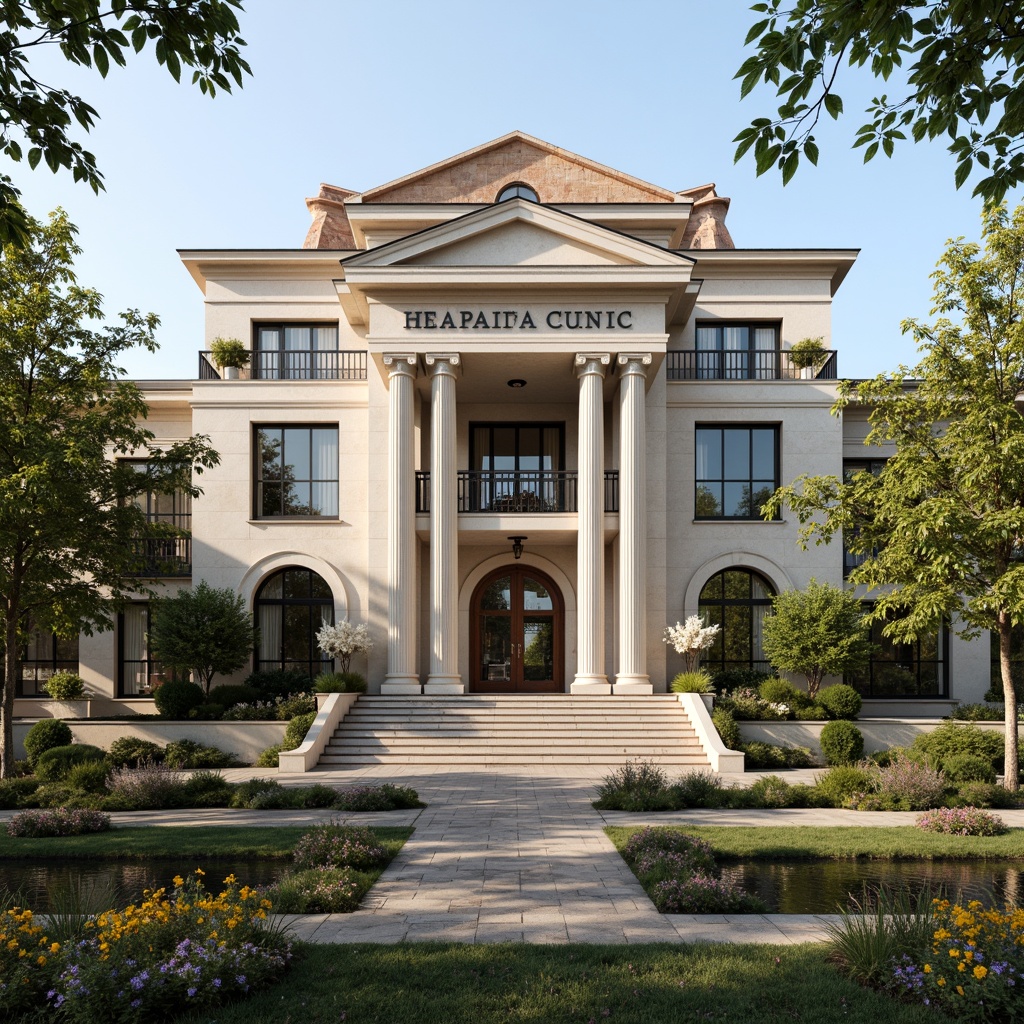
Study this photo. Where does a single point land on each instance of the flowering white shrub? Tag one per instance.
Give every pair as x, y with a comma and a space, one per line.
691, 638
344, 640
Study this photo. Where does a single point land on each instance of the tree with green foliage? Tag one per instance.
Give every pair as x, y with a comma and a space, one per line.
816, 632
70, 530
941, 527
205, 631
37, 117
965, 80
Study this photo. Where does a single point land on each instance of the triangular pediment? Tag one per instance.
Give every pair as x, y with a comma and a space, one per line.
516, 233
479, 174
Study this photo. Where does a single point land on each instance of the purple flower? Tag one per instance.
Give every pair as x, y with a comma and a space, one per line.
192, 992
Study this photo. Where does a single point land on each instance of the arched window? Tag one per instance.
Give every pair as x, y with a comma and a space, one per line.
291, 605
517, 190
737, 600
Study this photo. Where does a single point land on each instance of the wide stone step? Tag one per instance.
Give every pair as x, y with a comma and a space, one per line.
544, 735
506, 759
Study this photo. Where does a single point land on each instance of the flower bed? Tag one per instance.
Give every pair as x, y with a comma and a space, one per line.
57, 823
962, 821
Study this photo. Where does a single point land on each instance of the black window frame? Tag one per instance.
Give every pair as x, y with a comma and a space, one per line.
316, 659
867, 687
534, 197
745, 365
850, 468
278, 368
710, 661
43, 668
155, 672
1016, 660
258, 480
168, 554
754, 517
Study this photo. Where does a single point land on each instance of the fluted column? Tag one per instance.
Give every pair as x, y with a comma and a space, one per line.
590, 673
401, 676
444, 529
632, 675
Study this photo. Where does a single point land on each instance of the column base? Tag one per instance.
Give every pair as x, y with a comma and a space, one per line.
632, 684
591, 684
444, 684
401, 685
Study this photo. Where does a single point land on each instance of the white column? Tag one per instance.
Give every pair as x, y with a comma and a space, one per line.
590, 673
401, 676
632, 675
444, 529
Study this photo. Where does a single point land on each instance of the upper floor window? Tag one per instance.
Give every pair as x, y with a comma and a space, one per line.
166, 550
296, 471
851, 467
517, 190
737, 470
737, 351
296, 352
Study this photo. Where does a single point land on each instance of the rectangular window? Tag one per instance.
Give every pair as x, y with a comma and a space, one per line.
44, 654
1016, 663
168, 550
297, 352
296, 471
851, 467
737, 470
137, 672
918, 669
737, 351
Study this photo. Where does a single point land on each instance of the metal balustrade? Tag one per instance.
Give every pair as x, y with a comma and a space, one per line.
515, 492
293, 364
746, 364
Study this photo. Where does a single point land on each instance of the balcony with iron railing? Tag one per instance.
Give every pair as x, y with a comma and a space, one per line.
293, 364
518, 492
746, 364
165, 556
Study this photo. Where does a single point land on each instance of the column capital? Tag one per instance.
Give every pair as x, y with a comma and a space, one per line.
591, 363
633, 363
443, 363
402, 364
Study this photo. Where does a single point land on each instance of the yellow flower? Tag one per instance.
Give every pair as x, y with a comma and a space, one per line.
941, 982
980, 972
960, 990
954, 952
200, 871
927, 968
55, 948
178, 880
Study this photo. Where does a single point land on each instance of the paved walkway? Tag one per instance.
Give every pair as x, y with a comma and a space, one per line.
519, 855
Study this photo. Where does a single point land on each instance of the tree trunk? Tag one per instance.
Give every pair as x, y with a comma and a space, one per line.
1011, 781
7, 705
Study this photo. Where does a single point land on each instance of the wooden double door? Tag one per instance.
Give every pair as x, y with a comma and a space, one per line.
517, 633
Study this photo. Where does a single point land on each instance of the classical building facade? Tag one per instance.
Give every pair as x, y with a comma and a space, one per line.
517, 411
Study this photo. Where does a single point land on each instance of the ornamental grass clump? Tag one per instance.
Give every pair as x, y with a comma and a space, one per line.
57, 823
961, 821
972, 967
150, 786
635, 786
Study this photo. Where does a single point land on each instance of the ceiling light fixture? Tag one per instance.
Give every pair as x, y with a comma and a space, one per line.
516, 382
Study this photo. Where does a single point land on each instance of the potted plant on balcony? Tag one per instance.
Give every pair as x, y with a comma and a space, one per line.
807, 354
67, 695
230, 355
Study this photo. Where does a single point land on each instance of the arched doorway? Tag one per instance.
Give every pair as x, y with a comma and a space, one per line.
737, 599
517, 629
291, 605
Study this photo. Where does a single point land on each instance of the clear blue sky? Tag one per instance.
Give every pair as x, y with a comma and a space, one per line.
357, 92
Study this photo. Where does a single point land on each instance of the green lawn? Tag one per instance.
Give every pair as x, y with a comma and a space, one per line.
778, 842
522, 984
187, 841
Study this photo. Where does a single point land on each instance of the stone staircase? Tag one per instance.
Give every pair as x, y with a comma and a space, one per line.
514, 729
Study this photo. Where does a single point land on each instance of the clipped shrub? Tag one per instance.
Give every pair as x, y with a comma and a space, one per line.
131, 751
386, 797
697, 788
725, 722
54, 764
278, 683
177, 697
189, 754
693, 682
57, 823
841, 743
951, 739
984, 794
842, 782
207, 789
333, 845
89, 776
781, 691
268, 757
961, 821
811, 713
229, 695
45, 735
16, 792
760, 756
260, 794
210, 711
287, 708
840, 701
297, 729
771, 791
740, 678
977, 713
961, 768
64, 685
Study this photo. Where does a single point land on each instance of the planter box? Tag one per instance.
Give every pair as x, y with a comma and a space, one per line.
67, 708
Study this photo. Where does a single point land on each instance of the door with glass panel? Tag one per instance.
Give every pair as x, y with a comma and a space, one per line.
516, 467
737, 351
516, 633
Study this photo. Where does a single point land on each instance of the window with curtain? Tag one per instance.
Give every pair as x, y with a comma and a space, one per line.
737, 600
291, 606
137, 672
737, 470
296, 352
44, 654
296, 471
904, 671
851, 467
737, 351
168, 552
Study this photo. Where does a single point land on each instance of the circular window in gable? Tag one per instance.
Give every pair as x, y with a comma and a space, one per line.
517, 190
